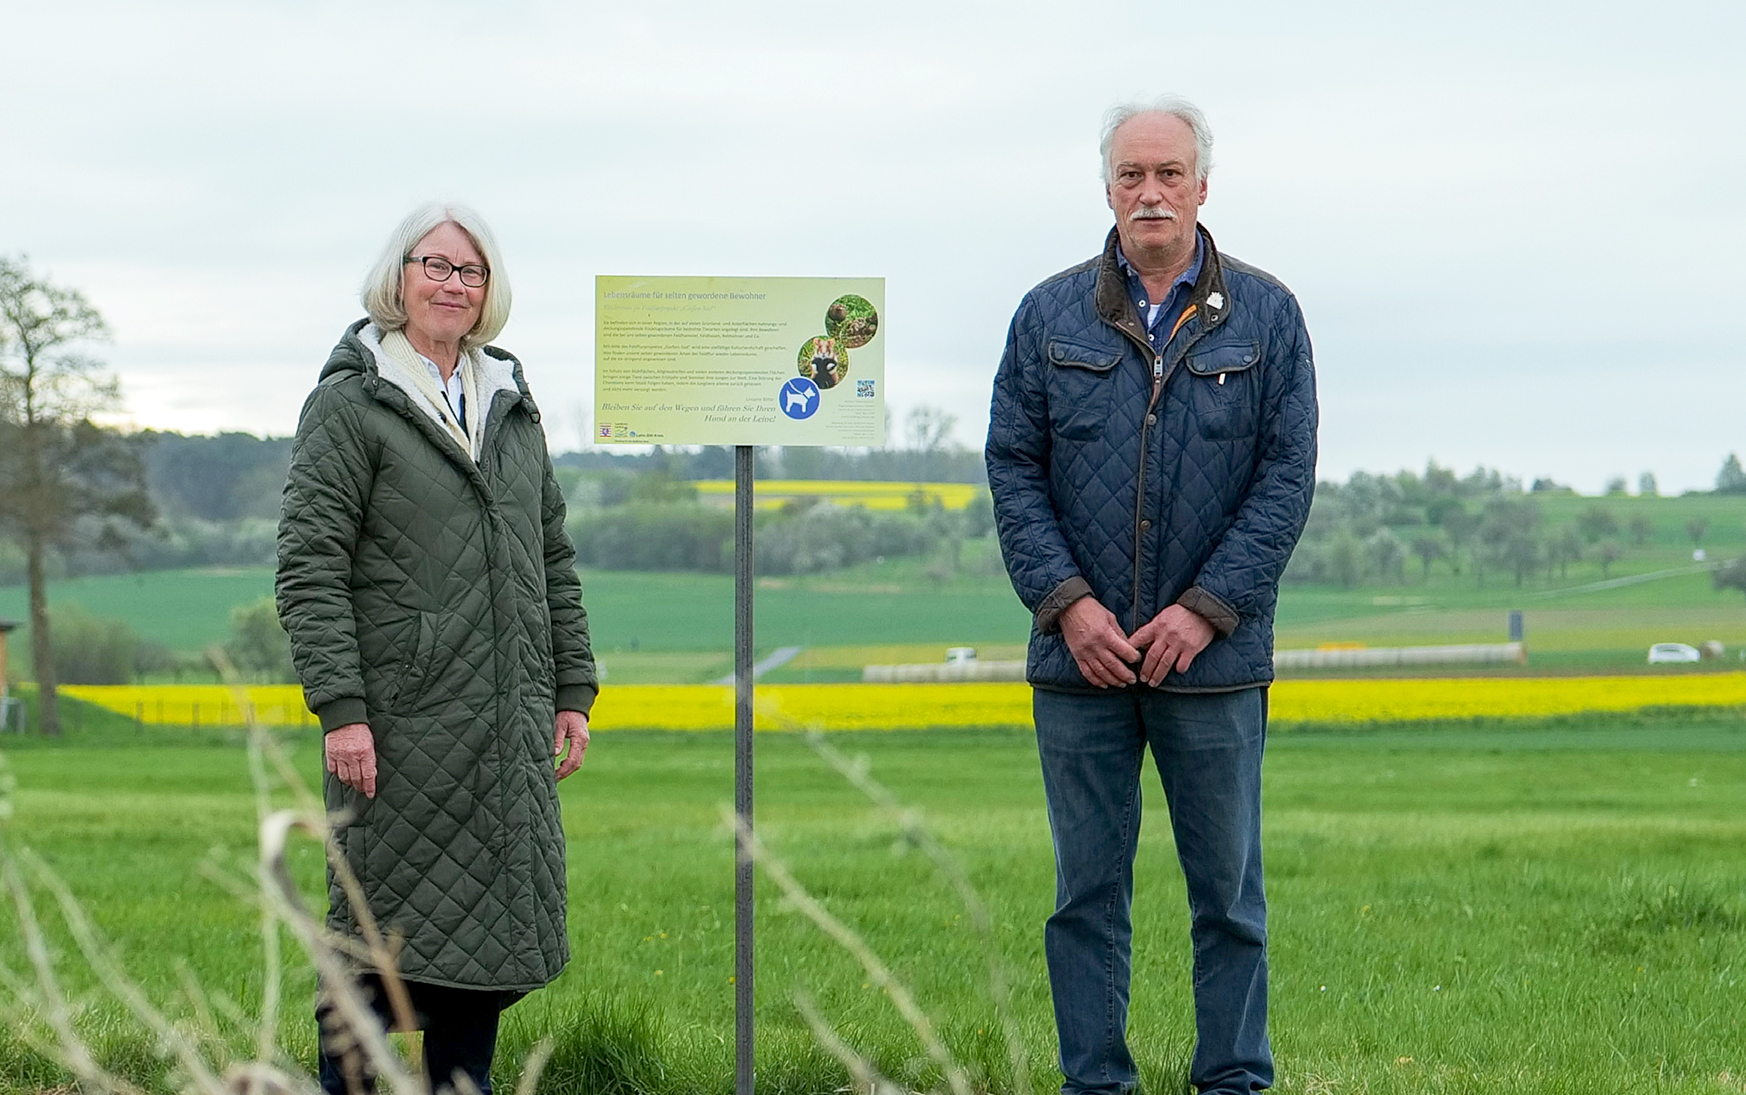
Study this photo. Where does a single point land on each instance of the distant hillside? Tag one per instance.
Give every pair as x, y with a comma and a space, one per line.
218, 478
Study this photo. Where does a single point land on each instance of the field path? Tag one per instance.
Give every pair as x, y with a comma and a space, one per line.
780, 658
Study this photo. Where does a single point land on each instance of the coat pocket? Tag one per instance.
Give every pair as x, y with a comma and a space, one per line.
407, 682
1081, 379
1222, 390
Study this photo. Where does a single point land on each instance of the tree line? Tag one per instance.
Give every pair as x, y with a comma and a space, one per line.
1376, 529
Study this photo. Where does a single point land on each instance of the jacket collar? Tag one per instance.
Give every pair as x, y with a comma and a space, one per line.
1116, 307
359, 352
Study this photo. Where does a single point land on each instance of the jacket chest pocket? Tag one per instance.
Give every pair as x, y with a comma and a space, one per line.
1081, 380
1221, 396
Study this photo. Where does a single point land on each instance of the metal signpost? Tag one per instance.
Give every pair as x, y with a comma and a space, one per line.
741, 362
744, 466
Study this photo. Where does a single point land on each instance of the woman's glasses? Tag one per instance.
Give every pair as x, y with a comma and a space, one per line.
439, 269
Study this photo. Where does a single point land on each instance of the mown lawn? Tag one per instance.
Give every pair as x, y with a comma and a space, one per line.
1553, 906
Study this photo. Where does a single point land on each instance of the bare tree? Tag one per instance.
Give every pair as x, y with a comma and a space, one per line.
1385, 550
64, 480
1429, 549
929, 429
1596, 523
1461, 527
930, 435
1562, 550
1508, 529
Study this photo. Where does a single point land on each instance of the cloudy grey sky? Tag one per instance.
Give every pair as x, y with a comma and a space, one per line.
1517, 230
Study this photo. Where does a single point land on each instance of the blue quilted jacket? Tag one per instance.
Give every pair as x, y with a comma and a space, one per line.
1192, 490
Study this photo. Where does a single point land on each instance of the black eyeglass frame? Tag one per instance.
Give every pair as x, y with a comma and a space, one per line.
484, 272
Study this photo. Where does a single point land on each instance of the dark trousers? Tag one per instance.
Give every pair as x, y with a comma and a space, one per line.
1208, 751
460, 1036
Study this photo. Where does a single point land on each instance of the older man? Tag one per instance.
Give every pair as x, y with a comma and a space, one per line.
1151, 449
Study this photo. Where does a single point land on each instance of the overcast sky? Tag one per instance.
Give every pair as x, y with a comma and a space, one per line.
1517, 231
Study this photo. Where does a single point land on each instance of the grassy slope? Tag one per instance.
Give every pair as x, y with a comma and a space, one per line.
1556, 907
183, 609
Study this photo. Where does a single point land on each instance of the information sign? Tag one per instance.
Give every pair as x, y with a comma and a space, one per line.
739, 361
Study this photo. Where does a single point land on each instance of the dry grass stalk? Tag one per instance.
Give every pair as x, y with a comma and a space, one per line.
847, 938
97, 955
199, 1047
50, 1003
313, 818
863, 1077
357, 1019
534, 1066
856, 771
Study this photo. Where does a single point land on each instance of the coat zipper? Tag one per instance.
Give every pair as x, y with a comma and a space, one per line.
1145, 450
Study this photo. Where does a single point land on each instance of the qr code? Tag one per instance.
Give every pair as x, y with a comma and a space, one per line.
864, 389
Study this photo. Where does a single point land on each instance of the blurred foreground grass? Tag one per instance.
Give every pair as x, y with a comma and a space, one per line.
1556, 905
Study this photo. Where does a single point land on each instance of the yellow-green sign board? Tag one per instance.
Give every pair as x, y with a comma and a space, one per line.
739, 361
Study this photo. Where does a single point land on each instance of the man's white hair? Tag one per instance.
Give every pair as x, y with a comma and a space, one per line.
1173, 105
381, 294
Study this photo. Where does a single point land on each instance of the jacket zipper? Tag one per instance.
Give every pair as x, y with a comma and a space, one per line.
1145, 450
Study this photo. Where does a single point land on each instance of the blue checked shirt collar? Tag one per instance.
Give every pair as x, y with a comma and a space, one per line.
1160, 316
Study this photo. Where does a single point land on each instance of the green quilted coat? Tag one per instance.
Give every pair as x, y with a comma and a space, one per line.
436, 599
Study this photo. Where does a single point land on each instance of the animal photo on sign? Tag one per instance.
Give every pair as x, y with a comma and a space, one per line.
824, 361
852, 320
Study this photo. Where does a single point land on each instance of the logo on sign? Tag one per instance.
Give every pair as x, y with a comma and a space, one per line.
798, 398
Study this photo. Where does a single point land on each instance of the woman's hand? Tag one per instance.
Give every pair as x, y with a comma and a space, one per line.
351, 755
571, 728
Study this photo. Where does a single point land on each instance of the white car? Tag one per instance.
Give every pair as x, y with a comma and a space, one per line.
1673, 652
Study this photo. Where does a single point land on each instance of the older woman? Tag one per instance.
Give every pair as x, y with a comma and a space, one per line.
437, 626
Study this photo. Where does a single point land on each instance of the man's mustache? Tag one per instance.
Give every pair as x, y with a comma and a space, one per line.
1152, 213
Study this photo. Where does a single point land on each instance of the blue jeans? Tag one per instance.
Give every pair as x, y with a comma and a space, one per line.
1208, 751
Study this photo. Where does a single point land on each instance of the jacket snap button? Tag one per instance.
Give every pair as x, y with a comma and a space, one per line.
1145, 524
1151, 420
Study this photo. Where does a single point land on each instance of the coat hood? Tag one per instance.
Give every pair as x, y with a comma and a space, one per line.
359, 351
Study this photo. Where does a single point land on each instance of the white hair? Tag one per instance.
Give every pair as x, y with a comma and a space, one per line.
381, 294
1176, 107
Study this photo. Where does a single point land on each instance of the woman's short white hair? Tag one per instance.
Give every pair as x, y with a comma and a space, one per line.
1173, 105
381, 293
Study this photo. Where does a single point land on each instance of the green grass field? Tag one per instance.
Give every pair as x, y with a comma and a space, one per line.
678, 627
1555, 907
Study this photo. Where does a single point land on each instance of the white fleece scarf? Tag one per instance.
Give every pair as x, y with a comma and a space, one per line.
396, 346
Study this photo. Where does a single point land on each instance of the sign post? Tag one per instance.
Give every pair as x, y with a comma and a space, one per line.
741, 362
743, 865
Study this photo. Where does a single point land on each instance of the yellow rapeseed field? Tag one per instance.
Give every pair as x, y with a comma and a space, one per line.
847, 492
197, 704
897, 706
